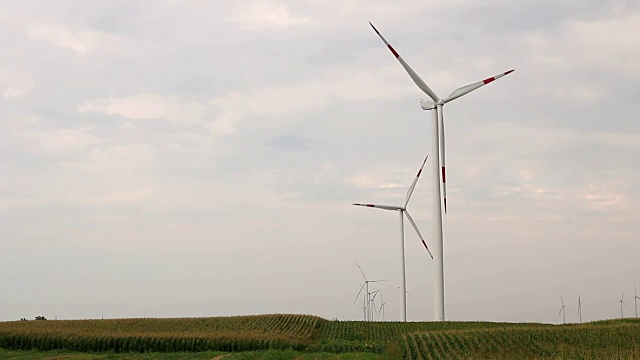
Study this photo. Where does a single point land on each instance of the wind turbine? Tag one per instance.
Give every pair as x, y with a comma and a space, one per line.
580, 309
365, 285
621, 301
372, 300
635, 298
381, 306
564, 319
438, 147
402, 210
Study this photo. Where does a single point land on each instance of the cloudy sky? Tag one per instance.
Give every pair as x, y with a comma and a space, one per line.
199, 158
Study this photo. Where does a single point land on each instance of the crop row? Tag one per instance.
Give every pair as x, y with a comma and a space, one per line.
523, 343
163, 335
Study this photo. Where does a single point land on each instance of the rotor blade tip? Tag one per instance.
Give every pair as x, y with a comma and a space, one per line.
510, 71
374, 28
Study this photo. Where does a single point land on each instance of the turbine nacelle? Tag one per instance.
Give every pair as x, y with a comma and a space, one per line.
427, 105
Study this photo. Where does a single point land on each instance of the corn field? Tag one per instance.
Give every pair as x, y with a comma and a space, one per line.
413, 340
619, 341
242, 333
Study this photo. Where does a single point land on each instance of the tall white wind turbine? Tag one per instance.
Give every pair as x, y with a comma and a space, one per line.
403, 211
438, 147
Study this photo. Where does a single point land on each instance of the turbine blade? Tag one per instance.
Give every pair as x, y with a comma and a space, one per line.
442, 156
362, 272
415, 181
356, 299
469, 88
416, 79
415, 227
562, 308
384, 207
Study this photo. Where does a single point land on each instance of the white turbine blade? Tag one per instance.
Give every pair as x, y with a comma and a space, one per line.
415, 227
469, 88
442, 156
375, 281
416, 79
356, 299
415, 181
562, 308
385, 207
622, 295
362, 272
562, 301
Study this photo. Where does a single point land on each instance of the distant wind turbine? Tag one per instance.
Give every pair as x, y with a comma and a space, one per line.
621, 301
635, 298
381, 306
564, 319
402, 211
365, 285
580, 309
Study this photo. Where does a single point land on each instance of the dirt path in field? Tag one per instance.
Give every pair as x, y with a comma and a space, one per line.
219, 357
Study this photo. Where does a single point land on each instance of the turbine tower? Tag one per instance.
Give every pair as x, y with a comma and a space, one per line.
403, 211
438, 147
564, 319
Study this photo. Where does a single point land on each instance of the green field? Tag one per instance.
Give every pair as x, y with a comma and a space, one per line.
310, 337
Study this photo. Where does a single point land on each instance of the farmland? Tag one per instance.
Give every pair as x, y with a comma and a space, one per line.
313, 335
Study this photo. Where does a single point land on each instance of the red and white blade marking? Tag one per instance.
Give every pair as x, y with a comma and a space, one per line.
415, 181
444, 189
414, 76
469, 88
384, 207
415, 227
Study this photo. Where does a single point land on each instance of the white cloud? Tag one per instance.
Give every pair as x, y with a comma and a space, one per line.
14, 84
61, 140
267, 15
148, 106
79, 41
340, 84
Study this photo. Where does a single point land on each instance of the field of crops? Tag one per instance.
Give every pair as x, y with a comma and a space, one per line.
621, 341
241, 333
310, 334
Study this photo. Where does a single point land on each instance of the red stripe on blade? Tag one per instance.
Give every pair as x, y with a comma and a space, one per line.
486, 81
394, 51
444, 178
419, 172
509, 72
370, 205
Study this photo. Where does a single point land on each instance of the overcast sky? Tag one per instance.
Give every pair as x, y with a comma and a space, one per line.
200, 158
